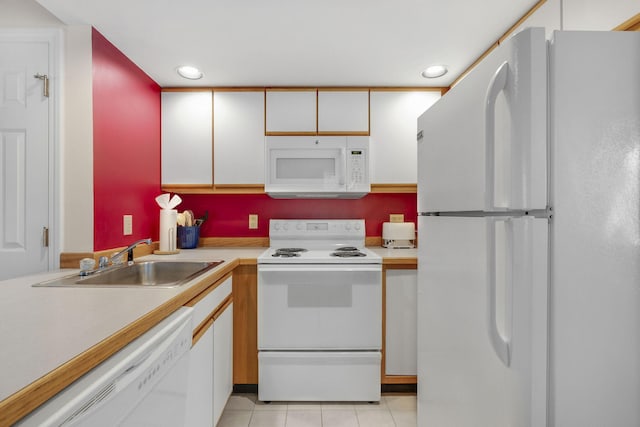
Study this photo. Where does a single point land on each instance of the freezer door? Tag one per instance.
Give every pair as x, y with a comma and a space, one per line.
482, 322
482, 146
595, 297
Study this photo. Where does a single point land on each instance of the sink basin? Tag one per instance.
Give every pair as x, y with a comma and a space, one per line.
156, 274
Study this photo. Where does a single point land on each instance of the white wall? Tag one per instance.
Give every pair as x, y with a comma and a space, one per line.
77, 142
26, 13
595, 15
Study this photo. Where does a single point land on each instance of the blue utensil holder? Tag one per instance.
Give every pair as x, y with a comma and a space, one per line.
188, 237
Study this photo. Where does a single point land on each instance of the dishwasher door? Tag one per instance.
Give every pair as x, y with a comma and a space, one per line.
144, 384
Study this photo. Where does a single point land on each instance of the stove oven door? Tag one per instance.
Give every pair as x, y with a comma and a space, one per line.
319, 307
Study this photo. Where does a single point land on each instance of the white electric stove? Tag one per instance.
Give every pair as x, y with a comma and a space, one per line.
319, 313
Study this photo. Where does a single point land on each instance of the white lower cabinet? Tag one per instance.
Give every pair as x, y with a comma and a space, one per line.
401, 322
200, 393
211, 362
222, 361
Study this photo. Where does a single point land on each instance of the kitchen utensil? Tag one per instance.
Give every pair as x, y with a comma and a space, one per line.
188, 218
163, 201
175, 201
181, 219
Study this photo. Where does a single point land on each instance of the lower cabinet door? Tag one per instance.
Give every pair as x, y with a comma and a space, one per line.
200, 392
222, 361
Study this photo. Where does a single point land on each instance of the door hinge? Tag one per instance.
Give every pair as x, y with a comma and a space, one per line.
45, 237
45, 80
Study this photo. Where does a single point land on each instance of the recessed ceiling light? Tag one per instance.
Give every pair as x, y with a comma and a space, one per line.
434, 71
189, 72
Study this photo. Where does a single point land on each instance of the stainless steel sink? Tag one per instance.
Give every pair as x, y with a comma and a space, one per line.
156, 274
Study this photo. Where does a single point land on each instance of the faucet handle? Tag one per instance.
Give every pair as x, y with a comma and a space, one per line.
103, 262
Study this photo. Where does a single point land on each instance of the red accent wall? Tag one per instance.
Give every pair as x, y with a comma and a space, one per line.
126, 147
229, 214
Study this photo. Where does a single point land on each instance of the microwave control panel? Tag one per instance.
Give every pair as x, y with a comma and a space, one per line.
357, 167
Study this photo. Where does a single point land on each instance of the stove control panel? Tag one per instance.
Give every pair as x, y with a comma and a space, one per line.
316, 228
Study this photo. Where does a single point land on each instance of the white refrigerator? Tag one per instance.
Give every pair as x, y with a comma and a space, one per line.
529, 238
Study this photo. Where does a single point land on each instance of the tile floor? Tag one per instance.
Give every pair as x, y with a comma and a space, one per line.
394, 410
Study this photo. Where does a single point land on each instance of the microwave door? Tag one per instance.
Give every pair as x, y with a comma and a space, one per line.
306, 170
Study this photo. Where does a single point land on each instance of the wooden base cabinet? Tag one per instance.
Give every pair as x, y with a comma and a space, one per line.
245, 325
211, 357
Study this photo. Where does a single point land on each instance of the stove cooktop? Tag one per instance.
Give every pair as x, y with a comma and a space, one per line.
319, 256
318, 241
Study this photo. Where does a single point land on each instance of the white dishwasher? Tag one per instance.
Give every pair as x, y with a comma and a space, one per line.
144, 384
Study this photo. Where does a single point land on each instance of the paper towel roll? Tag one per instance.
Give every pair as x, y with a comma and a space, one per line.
168, 224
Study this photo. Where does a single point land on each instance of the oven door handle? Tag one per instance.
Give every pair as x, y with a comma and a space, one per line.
292, 268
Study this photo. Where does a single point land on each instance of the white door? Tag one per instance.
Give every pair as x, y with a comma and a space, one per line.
483, 144
24, 158
482, 317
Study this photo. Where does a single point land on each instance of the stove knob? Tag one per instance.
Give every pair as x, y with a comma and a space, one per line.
357, 226
299, 227
276, 226
285, 226
347, 226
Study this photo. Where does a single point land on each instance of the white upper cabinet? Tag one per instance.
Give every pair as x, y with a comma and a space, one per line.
186, 138
291, 111
238, 137
343, 112
393, 144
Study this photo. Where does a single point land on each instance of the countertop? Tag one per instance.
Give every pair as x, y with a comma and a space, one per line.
45, 331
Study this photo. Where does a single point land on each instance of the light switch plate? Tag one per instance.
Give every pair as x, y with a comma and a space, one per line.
253, 221
127, 225
396, 217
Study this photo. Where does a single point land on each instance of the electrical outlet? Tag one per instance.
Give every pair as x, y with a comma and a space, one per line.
253, 221
396, 217
127, 225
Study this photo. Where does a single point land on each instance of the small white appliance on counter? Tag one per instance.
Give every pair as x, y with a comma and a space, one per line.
319, 313
143, 384
398, 235
528, 264
317, 166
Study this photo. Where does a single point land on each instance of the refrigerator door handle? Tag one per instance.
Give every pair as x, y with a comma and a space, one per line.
501, 344
497, 84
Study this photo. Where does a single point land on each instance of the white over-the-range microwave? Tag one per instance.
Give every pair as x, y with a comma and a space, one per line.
317, 166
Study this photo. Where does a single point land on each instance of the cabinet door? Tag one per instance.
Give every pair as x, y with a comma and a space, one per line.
401, 322
238, 137
186, 138
343, 112
222, 361
200, 391
291, 111
393, 146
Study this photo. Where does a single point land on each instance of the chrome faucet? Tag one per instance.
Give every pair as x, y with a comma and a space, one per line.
104, 261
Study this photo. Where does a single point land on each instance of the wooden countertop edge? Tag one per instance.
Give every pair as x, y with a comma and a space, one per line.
35, 394
404, 261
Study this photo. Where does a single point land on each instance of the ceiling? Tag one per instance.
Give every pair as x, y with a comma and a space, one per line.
298, 42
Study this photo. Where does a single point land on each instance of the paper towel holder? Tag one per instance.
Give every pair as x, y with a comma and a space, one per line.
398, 235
